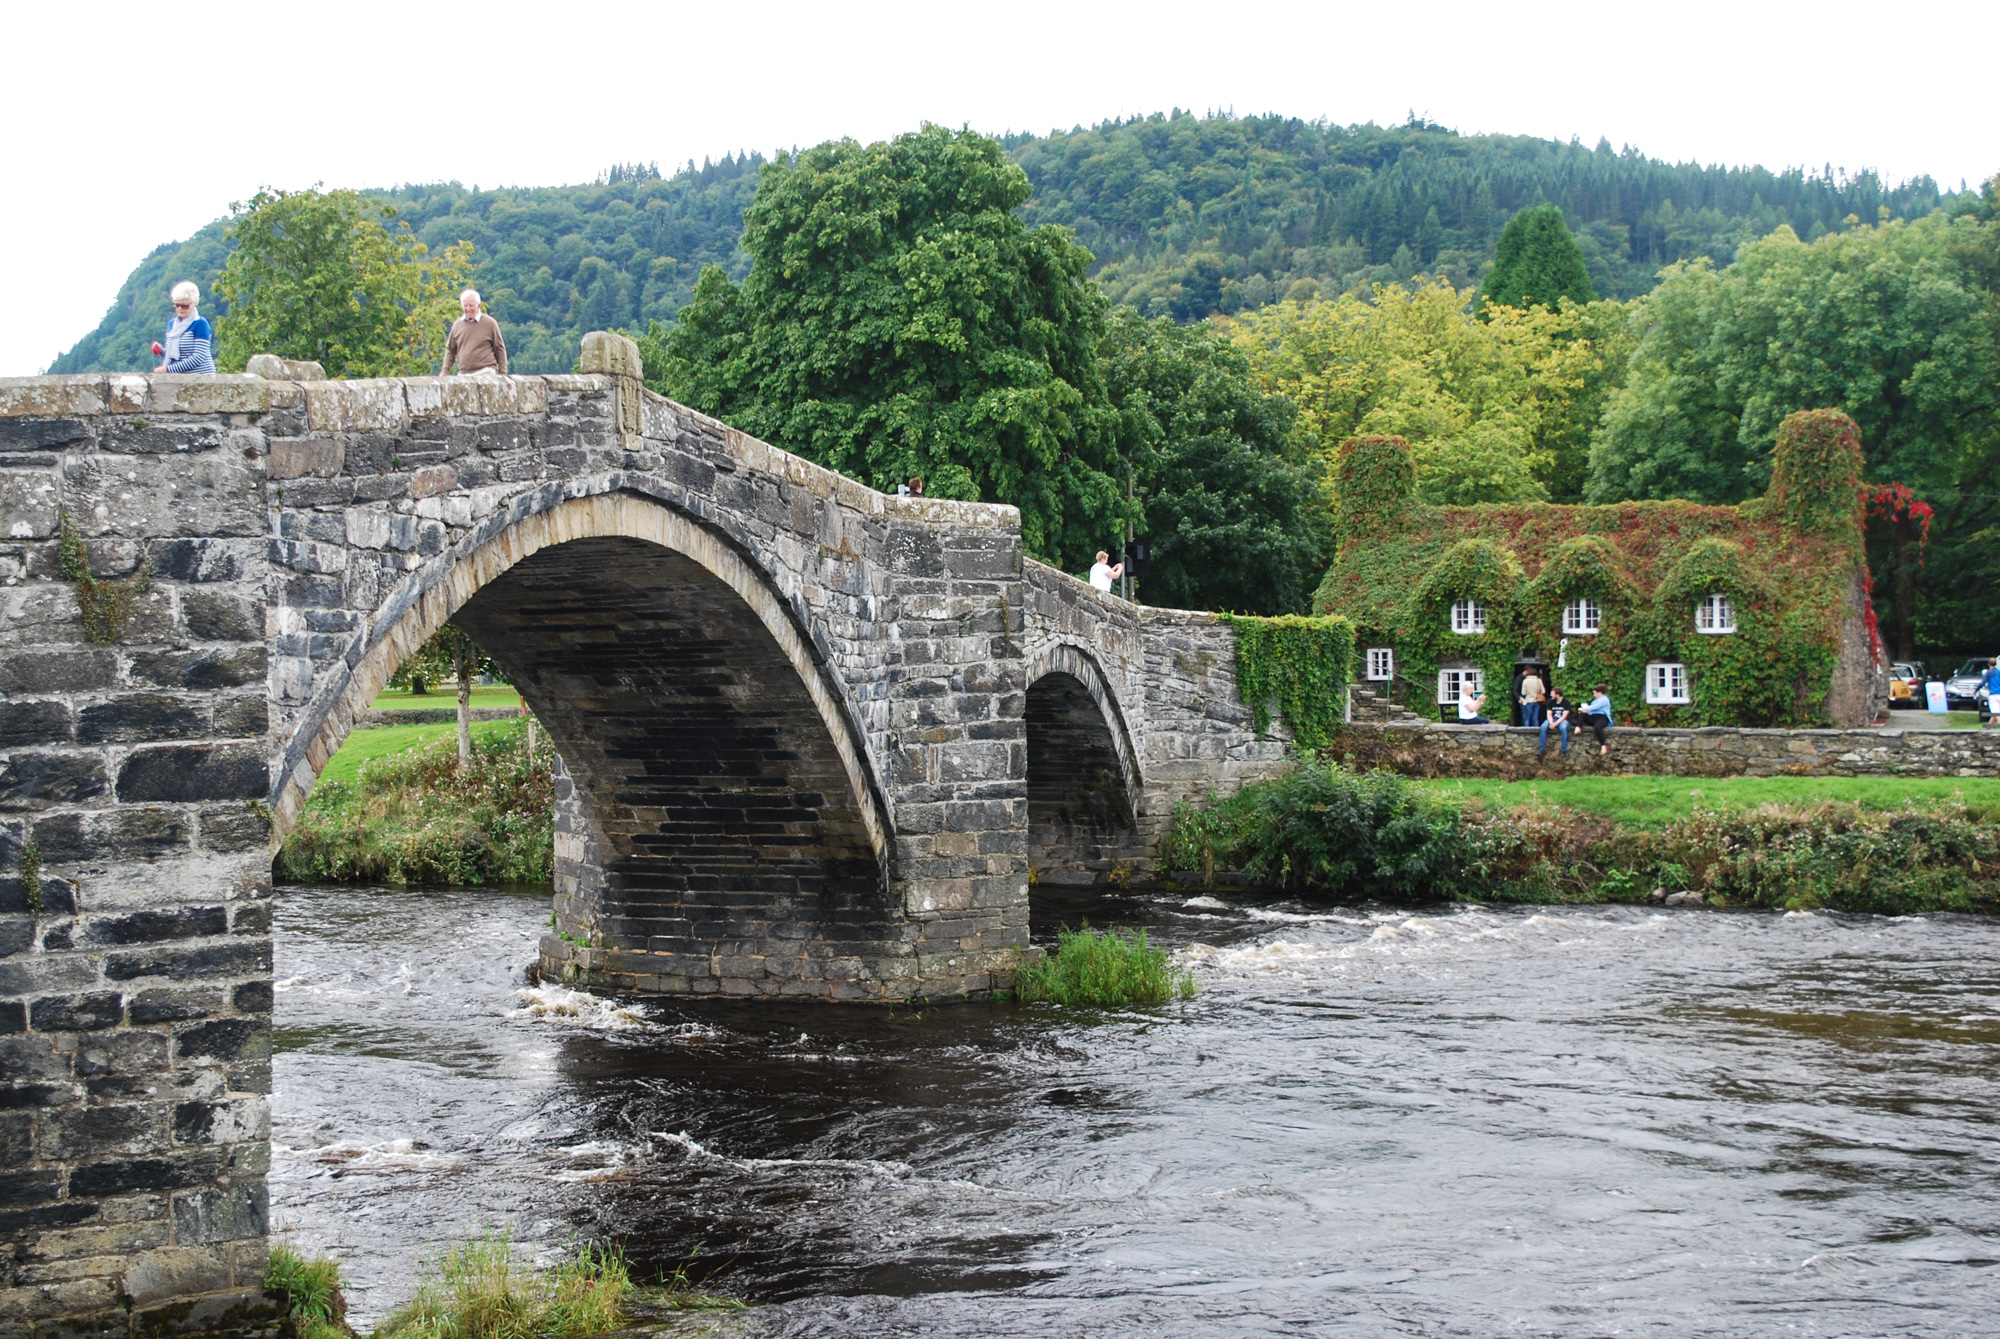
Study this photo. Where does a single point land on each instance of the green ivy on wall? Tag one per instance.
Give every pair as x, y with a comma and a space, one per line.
1789, 563
1299, 664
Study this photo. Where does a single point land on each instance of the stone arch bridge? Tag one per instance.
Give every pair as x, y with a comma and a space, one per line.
816, 741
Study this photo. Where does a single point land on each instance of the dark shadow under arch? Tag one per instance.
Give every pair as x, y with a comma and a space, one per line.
1081, 824
706, 808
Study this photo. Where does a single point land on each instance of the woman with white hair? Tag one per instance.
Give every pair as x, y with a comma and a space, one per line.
189, 345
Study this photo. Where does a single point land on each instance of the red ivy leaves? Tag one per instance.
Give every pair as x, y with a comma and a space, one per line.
1893, 502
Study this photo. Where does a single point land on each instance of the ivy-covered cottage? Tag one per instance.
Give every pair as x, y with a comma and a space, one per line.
1756, 614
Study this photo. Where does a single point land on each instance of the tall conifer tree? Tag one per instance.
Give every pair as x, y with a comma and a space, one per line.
1537, 263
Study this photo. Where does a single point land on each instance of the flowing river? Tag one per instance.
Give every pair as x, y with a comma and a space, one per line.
1460, 1121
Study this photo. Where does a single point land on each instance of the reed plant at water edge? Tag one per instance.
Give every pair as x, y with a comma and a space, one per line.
1103, 967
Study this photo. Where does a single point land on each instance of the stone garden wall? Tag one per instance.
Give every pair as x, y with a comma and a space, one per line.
1431, 749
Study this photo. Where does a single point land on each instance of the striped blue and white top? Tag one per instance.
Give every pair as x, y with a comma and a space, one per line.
188, 344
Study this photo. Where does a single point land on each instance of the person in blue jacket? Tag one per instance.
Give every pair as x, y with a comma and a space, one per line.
1992, 690
189, 345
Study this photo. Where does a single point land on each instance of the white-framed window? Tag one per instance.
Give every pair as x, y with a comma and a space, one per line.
1452, 684
1582, 618
1468, 616
1666, 683
1381, 663
1715, 614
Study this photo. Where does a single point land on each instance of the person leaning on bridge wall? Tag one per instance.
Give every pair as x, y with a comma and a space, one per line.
474, 344
189, 345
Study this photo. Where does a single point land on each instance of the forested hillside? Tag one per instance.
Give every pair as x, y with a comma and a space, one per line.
1189, 215
1186, 216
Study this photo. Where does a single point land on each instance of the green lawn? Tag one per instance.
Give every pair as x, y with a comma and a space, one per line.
363, 745
445, 697
1652, 801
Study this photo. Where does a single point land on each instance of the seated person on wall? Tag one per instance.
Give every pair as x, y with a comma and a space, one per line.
1558, 715
1596, 717
1469, 705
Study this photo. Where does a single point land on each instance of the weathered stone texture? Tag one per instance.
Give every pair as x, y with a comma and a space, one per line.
1426, 748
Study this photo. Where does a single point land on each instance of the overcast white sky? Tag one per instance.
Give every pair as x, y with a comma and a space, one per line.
130, 125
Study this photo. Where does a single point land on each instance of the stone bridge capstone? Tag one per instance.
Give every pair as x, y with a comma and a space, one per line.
815, 742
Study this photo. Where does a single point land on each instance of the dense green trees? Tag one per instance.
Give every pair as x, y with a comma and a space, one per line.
1496, 410
319, 276
1231, 508
1897, 324
1536, 263
900, 319
1189, 215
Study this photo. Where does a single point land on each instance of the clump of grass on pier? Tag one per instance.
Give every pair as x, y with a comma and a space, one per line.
308, 1289
1104, 967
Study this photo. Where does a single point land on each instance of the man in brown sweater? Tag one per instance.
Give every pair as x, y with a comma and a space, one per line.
474, 343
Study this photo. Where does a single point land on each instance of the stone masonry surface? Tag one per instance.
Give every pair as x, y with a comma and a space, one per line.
806, 732
1427, 748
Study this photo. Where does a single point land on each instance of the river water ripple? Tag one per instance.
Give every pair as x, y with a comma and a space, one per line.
1463, 1121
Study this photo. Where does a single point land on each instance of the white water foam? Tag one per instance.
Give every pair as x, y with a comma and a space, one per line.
560, 1004
893, 1171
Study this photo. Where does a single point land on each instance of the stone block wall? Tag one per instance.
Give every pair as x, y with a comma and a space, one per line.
135, 900
1510, 753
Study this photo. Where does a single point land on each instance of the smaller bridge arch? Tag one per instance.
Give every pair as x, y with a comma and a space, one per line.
1084, 783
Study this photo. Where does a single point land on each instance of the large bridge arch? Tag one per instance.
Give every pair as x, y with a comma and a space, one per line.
429, 598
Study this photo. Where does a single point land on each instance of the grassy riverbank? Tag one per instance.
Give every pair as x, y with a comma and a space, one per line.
1656, 801
1326, 832
393, 806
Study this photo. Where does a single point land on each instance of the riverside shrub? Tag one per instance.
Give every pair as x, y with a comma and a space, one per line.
1324, 831
418, 817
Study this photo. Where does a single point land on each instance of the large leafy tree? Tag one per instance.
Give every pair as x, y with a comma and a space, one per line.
1495, 410
319, 275
1898, 324
1232, 511
899, 318
1536, 263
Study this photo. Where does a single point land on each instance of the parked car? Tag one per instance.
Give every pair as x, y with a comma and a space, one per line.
1966, 690
1906, 685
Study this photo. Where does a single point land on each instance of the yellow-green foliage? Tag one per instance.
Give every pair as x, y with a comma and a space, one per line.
1102, 967
1490, 407
1301, 665
482, 1290
1789, 563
